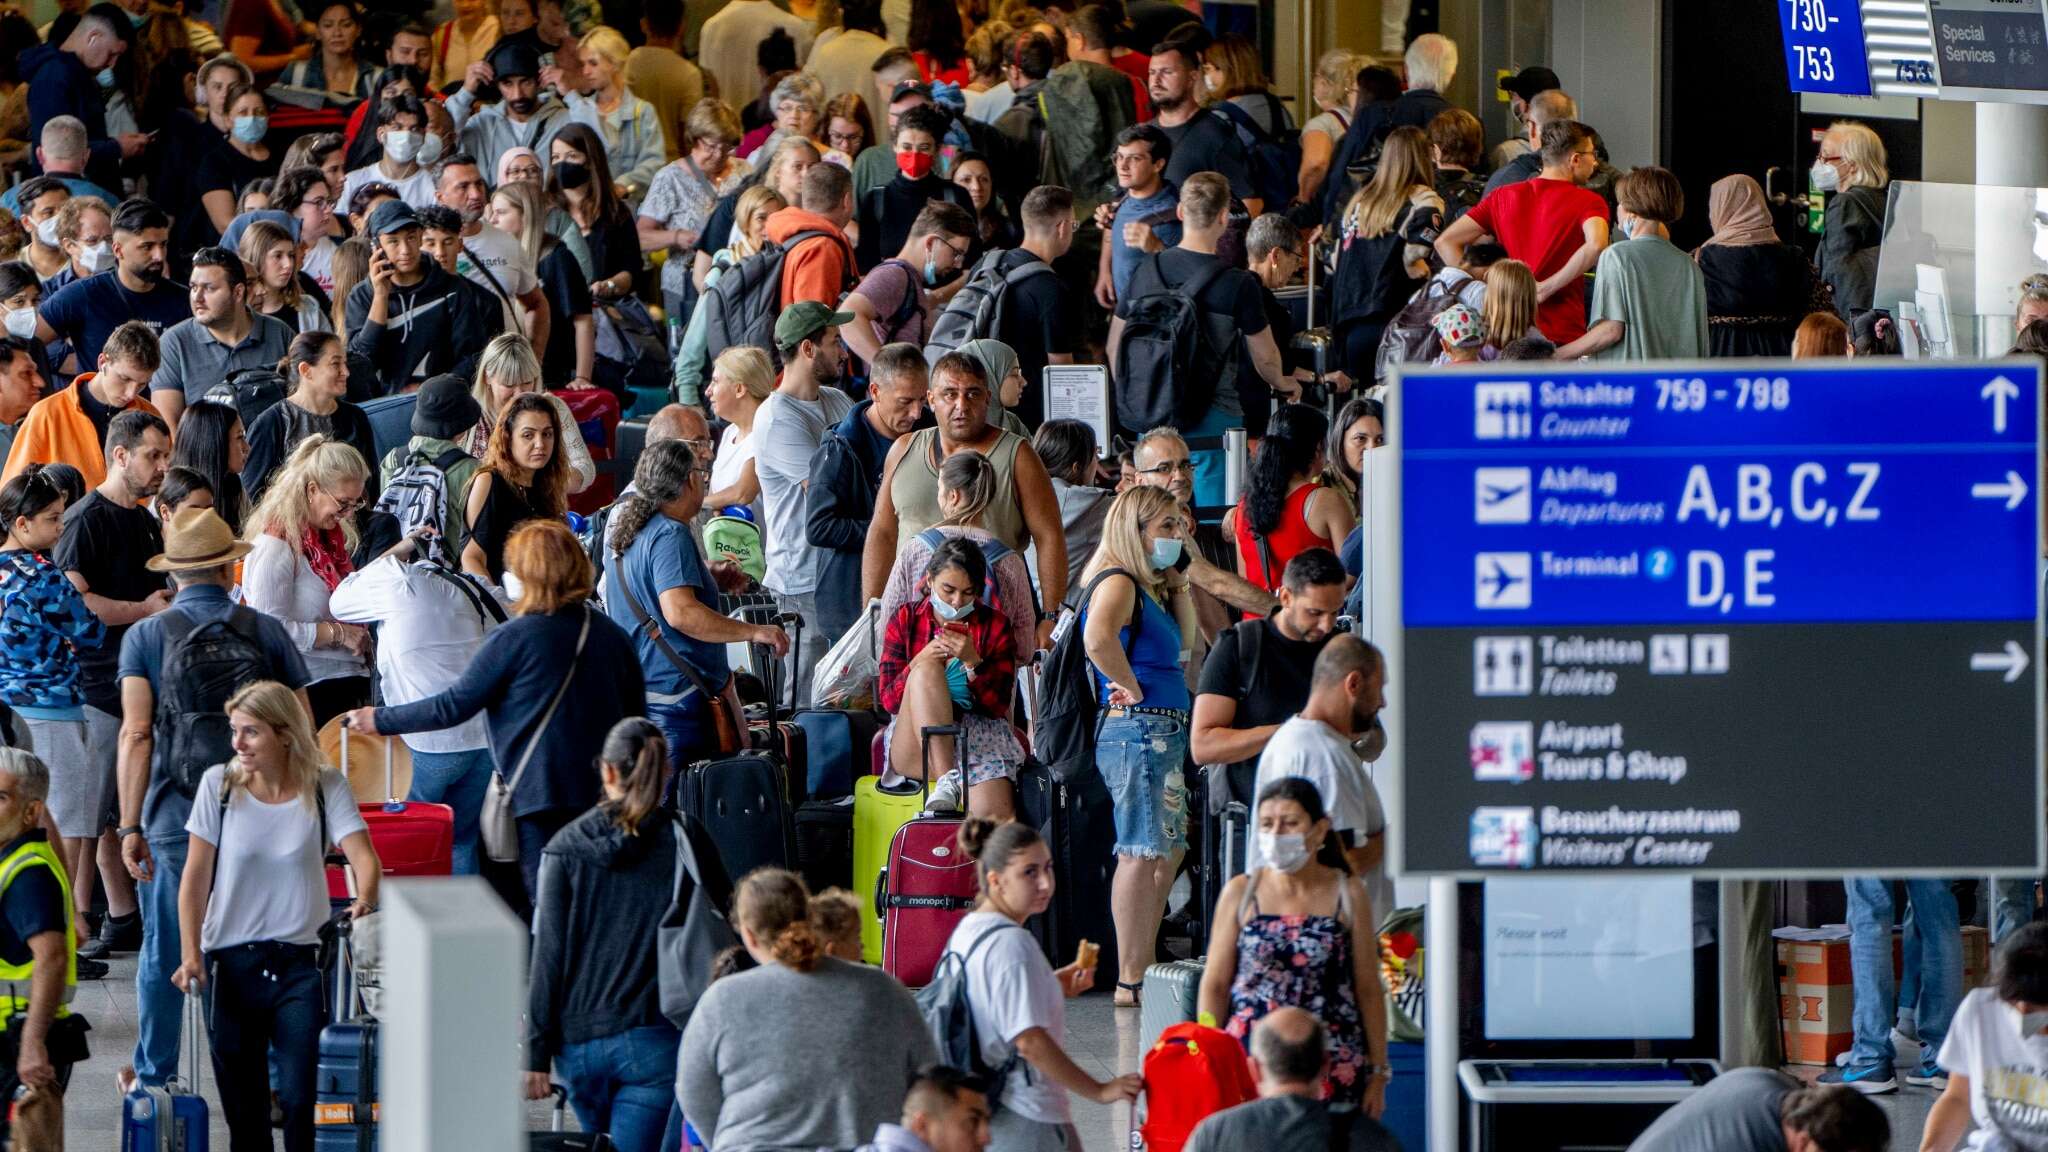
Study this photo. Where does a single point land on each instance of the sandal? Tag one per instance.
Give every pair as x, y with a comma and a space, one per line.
1117, 998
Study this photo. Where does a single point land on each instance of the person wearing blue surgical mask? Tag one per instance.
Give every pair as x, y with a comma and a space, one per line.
894, 301
949, 660
1135, 610
1993, 1058
241, 160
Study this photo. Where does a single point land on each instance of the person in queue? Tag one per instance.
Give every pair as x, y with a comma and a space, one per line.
39, 201
663, 592
87, 312
1017, 998
85, 231
1359, 428
948, 660
896, 301
524, 115
44, 623
200, 555
411, 320
1285, 509
1851, 166
1757, 286
43, 1040
550, 683
1297, 930
1023, 508
764, 1061
1649, 298
742, 378
317, 368
278, 289
967, 486
431, 622
1289, 1055
1399, 205
301, 537
1068, 450
251, 909
946, 1109
1161, 459
507, 369
524, 477
846, 475
593, 1006
1132, 625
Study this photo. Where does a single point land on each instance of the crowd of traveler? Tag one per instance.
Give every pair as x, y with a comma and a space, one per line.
855, 240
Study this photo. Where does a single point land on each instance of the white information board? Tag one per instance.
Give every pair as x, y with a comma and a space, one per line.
1588, 958
1080, 392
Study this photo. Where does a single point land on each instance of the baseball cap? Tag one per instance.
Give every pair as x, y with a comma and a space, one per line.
1531, 80
392, 216
805, 319
909, 88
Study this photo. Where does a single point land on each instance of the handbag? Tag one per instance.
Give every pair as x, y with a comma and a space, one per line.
495, 825
723, 726
694, 930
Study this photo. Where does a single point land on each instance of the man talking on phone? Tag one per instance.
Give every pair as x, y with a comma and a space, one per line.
411, 320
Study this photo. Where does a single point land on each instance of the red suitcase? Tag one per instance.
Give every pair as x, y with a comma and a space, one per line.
926, 888
597, 418
411, 838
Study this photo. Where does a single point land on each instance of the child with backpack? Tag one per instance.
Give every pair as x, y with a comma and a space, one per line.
1016, 1000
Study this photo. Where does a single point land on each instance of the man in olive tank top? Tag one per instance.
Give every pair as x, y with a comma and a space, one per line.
1024, 511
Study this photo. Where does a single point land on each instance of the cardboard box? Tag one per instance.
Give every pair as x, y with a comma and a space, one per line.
1976, 955
1816, 994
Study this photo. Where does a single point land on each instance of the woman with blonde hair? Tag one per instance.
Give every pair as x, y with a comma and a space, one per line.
741, 378
524, 477
1334, 88
253, 902
633, 143
521, 212
1510, 312
1851, 165
1134, 610
550, 682
508, 369
764, 1059
301, 536
316, 365
274, 290
749, 233
784, 173
680, 200
1393, 208
351, 267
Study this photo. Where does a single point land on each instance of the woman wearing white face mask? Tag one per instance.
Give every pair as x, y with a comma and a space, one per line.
1851, 165
1299, 933
20, 292
85, 230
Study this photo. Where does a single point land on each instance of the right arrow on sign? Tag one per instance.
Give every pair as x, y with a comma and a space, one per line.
1999, 392
2012, 491
2012, 661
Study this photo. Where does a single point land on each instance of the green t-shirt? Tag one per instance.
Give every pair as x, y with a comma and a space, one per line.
1658, 294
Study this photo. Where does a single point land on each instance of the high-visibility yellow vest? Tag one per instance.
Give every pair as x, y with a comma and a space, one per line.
16, 978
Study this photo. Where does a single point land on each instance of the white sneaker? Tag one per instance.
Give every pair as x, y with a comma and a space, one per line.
945, 794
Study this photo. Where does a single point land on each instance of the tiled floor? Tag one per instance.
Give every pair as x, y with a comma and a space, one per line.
1104, 1040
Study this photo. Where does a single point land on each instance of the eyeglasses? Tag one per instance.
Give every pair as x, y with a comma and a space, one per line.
1183, 467
702, 447
958, 254
844, 141
346, 505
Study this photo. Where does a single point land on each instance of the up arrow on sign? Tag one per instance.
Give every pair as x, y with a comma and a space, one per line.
1999, 392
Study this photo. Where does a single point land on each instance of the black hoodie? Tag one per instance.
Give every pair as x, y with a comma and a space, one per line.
435, 326
602, 895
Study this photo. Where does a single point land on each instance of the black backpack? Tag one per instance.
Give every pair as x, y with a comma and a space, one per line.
1372, 280
1161, 377
976, 310
252, 391
741, 308
1273, 160
1063, 737
204, 664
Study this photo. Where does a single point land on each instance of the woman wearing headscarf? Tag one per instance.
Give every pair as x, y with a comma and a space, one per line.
1006, 380
1758, 288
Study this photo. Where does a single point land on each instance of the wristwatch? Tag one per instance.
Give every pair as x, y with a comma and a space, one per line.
1377, 1071
130, 830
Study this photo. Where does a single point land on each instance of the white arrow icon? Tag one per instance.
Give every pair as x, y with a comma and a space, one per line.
2012, 661
1999, 391
2012, 491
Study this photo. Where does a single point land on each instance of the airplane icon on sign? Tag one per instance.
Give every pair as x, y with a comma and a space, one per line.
1502, 580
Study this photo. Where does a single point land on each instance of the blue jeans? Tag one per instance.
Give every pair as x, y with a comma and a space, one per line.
457, 779
2012, 904
686, 726
159, 1005
1909, 960
624, 1086
1140, 757
1940, 948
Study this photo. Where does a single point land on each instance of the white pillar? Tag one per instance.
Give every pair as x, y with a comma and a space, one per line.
454, 977
1440, 1018
2012, 145
2012, 153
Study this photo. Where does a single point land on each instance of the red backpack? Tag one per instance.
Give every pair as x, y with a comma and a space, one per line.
1191, 1073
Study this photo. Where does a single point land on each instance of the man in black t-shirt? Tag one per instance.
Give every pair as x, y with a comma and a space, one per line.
1257, 675
1040, 320
1203, 141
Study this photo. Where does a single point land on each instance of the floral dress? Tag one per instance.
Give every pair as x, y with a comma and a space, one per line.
1302, 962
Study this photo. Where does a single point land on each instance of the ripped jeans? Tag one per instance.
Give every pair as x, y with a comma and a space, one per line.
1141, 757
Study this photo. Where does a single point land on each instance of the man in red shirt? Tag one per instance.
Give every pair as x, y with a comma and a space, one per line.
1550, 222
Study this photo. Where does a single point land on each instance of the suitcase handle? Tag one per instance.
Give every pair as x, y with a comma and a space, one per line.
881, 892
560, 1117
925, 751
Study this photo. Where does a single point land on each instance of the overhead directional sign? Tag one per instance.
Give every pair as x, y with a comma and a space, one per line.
1732, 618
1824, 49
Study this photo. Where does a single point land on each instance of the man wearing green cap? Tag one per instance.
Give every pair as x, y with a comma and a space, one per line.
787, 431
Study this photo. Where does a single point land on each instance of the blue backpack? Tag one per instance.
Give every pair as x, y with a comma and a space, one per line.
1273, 161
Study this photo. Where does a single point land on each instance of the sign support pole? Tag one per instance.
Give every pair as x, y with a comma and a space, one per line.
1440, 1046
1728, 947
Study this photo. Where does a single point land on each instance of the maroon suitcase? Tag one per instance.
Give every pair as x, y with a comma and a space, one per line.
926, 888
411, 838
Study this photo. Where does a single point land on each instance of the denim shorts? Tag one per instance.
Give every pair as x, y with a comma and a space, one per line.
1141, 757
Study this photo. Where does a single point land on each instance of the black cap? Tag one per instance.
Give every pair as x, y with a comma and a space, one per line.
444, 408
392, 216
514, 60
906, 88
1531, 80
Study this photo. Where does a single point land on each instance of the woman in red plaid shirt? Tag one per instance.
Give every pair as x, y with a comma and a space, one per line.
948, 658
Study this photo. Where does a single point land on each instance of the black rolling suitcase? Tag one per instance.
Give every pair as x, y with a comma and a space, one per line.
743, 802
824, 843
1080, 830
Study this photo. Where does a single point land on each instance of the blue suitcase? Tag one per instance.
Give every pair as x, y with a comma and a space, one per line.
345, 1079
172, 1118
836, 743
